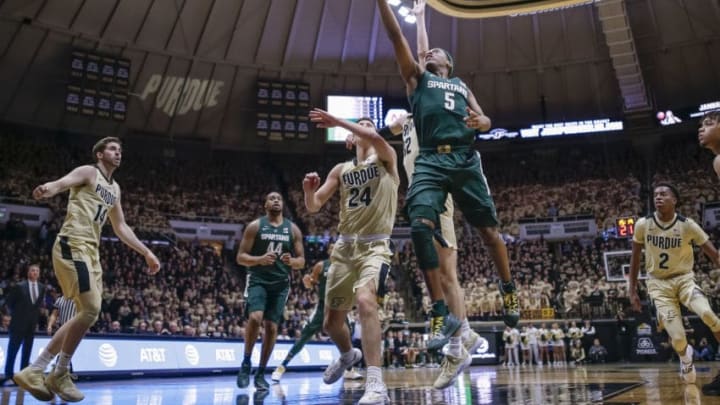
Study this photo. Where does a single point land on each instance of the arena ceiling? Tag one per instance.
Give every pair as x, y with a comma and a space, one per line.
603, 59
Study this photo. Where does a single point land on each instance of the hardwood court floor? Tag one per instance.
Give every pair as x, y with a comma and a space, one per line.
648, 383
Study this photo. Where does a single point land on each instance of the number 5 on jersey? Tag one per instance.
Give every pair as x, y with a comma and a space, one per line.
449, 100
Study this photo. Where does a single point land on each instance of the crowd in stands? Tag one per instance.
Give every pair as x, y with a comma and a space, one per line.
199, 292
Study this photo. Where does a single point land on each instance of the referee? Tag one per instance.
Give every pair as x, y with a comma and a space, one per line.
63, 311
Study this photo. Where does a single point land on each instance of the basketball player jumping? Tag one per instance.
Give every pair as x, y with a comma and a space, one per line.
361, 258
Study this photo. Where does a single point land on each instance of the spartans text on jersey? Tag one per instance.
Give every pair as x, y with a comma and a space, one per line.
431, 84
275, 237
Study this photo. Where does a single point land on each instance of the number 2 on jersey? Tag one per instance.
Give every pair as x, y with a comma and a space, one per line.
664, 257
363, 195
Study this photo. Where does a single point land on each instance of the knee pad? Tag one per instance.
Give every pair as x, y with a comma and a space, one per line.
422, 236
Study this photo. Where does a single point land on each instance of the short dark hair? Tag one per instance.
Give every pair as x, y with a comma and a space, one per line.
367, 119
102, 144
451, 61
672, 189
713, 115
274, 192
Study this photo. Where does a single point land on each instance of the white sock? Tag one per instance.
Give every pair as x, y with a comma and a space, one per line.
43, 360
455, 346
63, 363
465, 329
373, 374
684, 357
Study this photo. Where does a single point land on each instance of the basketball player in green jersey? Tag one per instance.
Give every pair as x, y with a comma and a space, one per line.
361, 258
709, 137
271, 247
446, 117
668, 240
94, 197
445, 243
318, 276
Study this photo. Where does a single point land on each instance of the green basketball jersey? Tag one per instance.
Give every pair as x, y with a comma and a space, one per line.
322, 280
438, 107
269, 238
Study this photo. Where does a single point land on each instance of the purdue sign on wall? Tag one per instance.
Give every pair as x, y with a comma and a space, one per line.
175, 95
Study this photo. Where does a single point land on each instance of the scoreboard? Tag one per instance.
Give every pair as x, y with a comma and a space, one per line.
98, 85
625, 227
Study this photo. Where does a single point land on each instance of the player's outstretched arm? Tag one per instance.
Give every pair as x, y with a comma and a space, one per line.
409, 68
316, 196
126, 234
423, 45
709, 249
385, 152
79, 176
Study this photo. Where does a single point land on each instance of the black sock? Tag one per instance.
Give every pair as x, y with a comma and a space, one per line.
246, 359
439, 308
508, 286
260, 370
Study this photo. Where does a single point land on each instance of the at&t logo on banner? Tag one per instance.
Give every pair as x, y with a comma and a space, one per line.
107, 354
191, 355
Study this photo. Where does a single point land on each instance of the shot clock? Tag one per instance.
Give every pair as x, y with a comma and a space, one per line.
625, 227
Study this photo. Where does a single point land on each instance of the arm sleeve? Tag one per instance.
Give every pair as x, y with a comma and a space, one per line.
386, 133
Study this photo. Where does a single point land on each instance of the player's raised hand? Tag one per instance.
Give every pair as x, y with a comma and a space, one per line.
40, 191
349, 141
323, 119
418, 8
311, 182
152, 262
